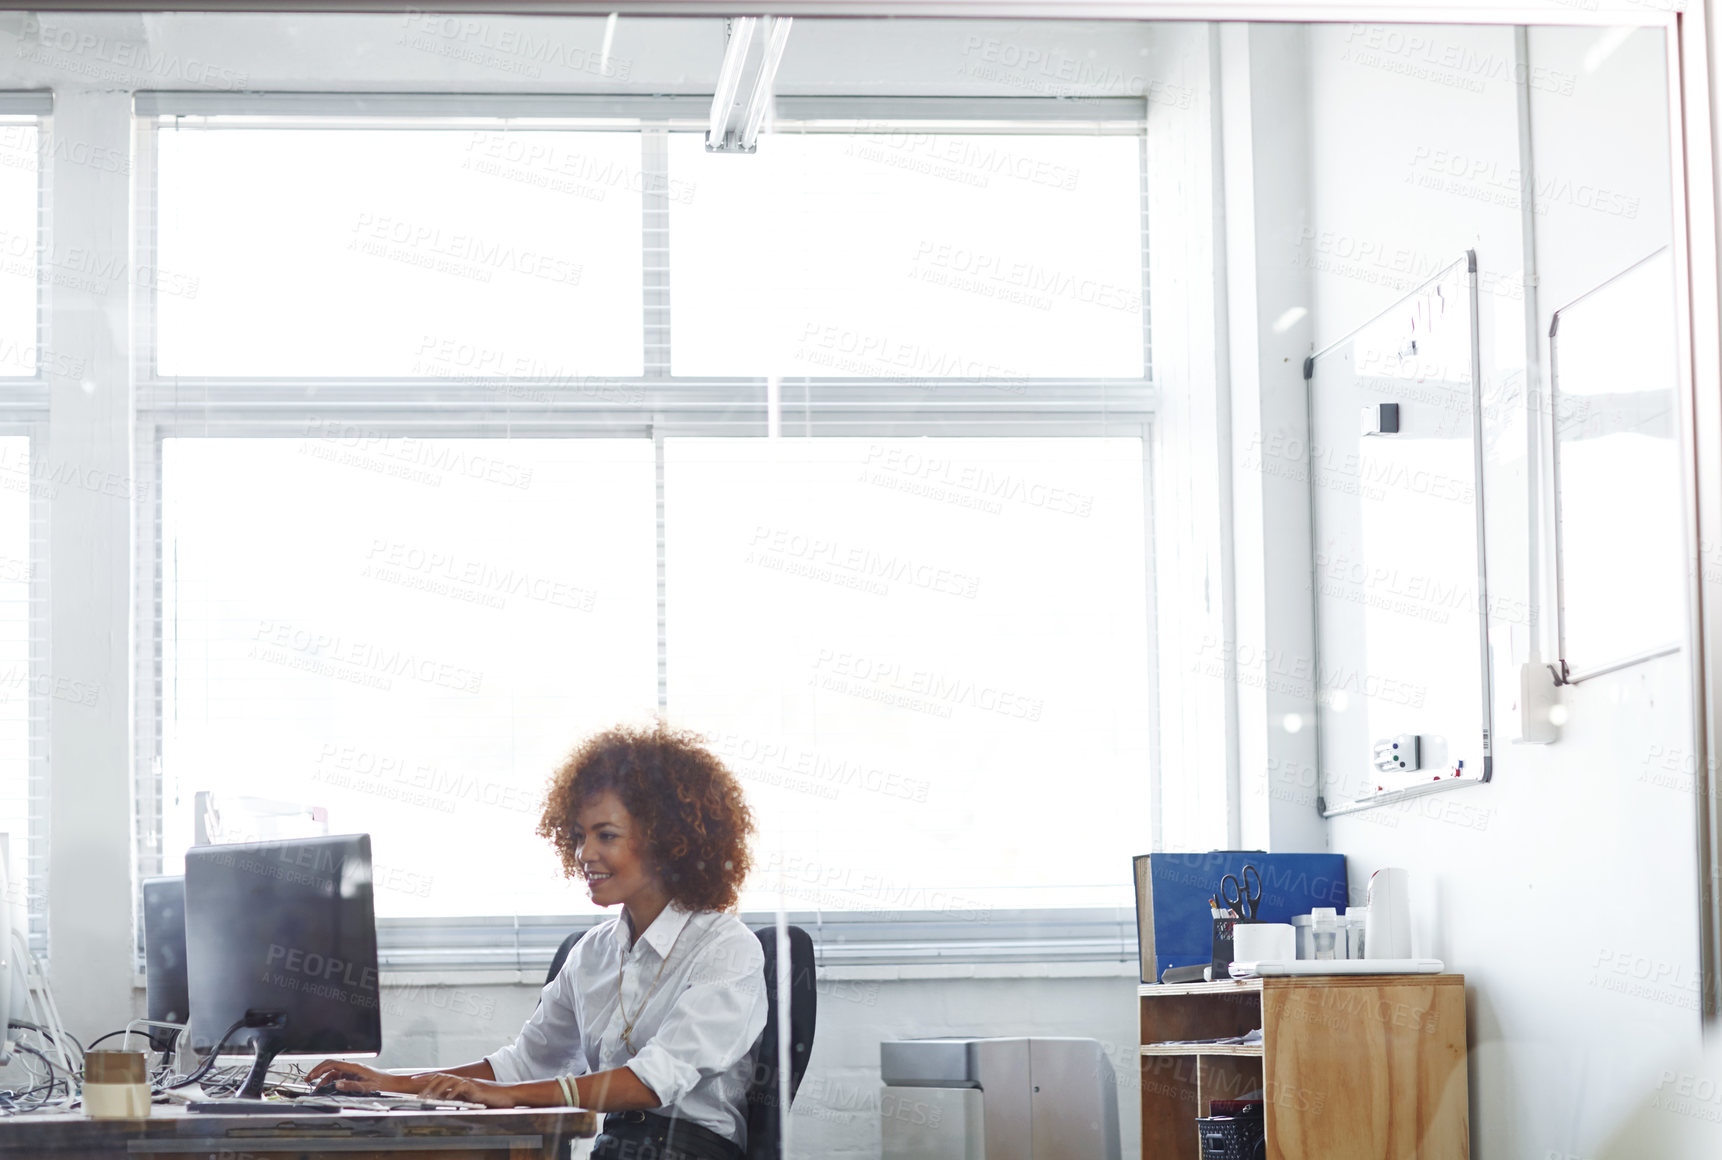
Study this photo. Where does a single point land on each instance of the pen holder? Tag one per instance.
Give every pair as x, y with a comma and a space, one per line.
1223, 944
116, 1085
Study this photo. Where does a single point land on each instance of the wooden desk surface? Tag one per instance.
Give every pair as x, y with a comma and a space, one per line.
1280, 982
171, 1131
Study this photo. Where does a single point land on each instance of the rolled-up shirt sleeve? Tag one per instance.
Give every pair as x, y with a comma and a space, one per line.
715, 1022
549, 1045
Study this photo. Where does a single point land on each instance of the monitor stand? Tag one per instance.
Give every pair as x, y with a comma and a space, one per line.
269, 1041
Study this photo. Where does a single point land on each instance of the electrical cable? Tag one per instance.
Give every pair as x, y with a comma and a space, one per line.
52, 1078
8, 1100
109, 1035
202, 1069
49, 1035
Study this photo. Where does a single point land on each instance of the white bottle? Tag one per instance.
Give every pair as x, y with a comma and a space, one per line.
1326, 932
1356, 918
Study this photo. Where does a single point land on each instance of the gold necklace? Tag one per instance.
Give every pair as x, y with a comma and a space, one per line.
628, 1024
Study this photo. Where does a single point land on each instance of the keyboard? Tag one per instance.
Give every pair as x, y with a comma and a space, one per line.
262, 1107
395, 1102
328, 1105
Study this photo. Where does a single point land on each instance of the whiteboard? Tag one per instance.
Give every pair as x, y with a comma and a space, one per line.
1620, 571
1397, 580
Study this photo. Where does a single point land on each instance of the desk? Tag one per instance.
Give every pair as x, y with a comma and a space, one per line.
1351, 1067
172, 1133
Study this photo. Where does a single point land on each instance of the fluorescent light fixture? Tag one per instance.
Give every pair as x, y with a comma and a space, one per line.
609, 43
776, 38
729, 79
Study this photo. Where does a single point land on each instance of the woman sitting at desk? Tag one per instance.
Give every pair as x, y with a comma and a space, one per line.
660, 1007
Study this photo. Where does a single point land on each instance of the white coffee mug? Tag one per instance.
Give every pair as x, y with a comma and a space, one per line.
1263, 942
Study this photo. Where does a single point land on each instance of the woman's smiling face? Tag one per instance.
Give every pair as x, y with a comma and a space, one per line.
608, 848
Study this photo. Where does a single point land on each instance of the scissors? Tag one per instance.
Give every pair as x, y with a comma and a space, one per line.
1244, 898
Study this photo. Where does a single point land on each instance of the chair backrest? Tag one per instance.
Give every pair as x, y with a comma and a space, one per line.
764, 1130
561, 955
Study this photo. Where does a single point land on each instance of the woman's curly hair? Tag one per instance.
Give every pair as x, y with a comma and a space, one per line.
693, 819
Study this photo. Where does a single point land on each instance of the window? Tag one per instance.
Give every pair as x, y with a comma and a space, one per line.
891, 253
900, 624
407, 633
398, 253
19, 181
920, 647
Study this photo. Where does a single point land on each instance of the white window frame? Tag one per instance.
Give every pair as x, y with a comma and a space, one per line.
668, 407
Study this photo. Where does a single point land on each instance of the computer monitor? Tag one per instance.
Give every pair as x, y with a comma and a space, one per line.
164, 957
281, 938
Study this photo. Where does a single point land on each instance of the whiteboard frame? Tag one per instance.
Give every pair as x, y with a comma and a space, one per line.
1564, 673
1435, 785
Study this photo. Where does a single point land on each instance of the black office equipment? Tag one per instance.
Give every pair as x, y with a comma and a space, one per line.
1232, 1137
281, 937
164, 957
764, 1128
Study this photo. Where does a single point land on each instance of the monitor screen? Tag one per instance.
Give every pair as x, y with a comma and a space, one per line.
282, 937
164, 956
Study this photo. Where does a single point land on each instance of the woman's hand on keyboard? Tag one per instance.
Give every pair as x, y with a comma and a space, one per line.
476, 1091
356, 1077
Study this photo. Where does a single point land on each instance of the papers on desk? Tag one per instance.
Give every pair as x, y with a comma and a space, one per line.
1244, 1040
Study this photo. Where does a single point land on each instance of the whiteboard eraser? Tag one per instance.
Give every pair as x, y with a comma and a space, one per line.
1381, 419
1401, 754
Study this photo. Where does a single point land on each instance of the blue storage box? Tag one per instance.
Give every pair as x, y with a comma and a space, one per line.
1173, 923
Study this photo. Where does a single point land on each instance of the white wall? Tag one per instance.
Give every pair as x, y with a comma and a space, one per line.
1564, 890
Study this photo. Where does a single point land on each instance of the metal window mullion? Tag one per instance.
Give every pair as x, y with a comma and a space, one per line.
1142, 209
1156, 829
147, 226
426, 401
44, 242
148, 673
655, 253
148, 837
1003, 935
148, 824
40, 785
213, 109
662, 570
655, 355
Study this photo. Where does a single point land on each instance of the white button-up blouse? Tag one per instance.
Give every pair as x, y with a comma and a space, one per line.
695, 1027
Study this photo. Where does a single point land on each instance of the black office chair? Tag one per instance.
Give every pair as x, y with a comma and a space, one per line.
561, 955
764, 1131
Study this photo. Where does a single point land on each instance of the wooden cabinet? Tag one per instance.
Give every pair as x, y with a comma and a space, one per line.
1360, 1067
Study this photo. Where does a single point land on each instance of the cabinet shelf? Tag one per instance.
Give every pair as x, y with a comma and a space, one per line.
1353, 1067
